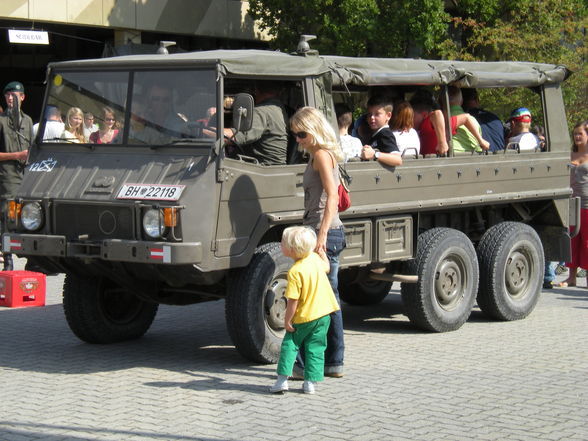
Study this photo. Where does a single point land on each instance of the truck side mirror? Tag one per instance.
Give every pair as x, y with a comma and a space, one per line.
242, 112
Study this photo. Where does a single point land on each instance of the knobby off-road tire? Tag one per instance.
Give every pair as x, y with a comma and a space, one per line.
98, 311
447, 270
365, 292
255, 305
511, 270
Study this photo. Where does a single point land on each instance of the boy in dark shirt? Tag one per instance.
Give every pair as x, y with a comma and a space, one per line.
382, 144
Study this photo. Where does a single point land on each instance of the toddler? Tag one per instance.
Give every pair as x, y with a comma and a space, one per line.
310, 301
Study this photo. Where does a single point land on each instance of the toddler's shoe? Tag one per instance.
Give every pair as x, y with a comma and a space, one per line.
308, 387
280, 386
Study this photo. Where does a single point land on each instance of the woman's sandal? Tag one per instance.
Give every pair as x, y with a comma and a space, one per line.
565, 285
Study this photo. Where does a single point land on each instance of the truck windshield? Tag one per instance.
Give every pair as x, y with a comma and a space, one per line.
154, 108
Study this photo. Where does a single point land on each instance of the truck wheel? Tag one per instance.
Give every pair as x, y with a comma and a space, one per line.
363, 292
447, 270
98, 311
255, 305
511, 270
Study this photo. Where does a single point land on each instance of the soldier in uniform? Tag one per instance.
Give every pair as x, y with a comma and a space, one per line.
267, 140
16, 133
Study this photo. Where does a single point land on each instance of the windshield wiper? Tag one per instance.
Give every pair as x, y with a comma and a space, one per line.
182, 140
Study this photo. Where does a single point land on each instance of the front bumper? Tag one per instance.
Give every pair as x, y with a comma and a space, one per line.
110, 249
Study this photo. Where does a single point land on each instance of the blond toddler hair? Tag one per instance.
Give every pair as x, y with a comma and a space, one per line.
301, 241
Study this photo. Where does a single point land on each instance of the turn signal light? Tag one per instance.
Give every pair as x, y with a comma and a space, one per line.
170, 216
14, 209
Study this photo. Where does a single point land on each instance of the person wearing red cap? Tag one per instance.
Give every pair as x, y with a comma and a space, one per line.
520, 131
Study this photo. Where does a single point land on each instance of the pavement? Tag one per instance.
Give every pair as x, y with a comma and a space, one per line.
522, 380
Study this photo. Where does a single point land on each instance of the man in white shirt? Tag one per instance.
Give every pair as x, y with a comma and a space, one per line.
520, 135
53, 126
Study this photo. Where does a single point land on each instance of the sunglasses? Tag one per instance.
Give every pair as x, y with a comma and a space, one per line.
109, 119
300, 135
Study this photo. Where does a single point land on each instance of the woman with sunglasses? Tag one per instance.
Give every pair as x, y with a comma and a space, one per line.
108, 129
315, 136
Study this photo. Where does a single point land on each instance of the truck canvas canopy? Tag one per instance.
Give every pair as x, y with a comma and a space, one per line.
380, 71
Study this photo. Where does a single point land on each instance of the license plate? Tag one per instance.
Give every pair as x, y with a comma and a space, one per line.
148, 192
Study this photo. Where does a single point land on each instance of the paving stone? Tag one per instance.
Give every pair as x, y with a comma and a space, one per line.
523, 380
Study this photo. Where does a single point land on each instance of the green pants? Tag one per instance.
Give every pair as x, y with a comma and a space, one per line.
314, 336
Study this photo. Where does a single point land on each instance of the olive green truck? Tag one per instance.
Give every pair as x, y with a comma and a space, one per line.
164, 215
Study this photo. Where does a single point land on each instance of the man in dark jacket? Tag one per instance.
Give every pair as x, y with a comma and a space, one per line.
492, 127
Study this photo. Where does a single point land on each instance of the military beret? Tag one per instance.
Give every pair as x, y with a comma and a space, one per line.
14, 86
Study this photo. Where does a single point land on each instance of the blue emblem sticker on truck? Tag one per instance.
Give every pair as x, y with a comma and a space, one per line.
148, 192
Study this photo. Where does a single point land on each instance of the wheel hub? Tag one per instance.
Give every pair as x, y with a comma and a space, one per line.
517, 274
449, 282
275, 304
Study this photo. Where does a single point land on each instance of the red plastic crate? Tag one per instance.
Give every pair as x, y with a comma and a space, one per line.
22, 288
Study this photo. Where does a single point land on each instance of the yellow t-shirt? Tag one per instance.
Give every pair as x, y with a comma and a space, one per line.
308, 283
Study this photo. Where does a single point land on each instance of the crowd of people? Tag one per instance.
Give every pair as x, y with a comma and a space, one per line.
79, 127
420, 127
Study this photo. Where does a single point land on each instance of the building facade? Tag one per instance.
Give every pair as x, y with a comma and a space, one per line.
95, 28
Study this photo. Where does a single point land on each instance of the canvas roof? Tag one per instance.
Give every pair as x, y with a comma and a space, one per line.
384, 71
348, 70
245, 62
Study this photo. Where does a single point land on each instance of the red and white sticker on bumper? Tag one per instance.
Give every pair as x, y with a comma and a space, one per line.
161, 253
9, 244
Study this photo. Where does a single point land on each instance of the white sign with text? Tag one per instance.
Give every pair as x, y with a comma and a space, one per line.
28, 37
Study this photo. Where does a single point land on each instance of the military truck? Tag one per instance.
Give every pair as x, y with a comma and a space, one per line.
165, 215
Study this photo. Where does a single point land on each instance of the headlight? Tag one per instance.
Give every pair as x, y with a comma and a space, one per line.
153, 223
31, 216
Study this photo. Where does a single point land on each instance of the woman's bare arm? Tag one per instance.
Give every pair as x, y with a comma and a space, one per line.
324, 163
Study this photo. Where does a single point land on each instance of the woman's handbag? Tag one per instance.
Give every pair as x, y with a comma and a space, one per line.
343, 190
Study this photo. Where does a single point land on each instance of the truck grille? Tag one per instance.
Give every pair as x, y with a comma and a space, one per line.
96, 221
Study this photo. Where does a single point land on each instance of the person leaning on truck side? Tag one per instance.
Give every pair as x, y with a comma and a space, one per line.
464, 139
15, 142
579, 184
520, 131
267, 140
315, 135
381, 147
429, 123
350, 145
402, 125
492, 127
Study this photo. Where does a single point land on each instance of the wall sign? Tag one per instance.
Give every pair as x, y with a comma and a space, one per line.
28, 37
